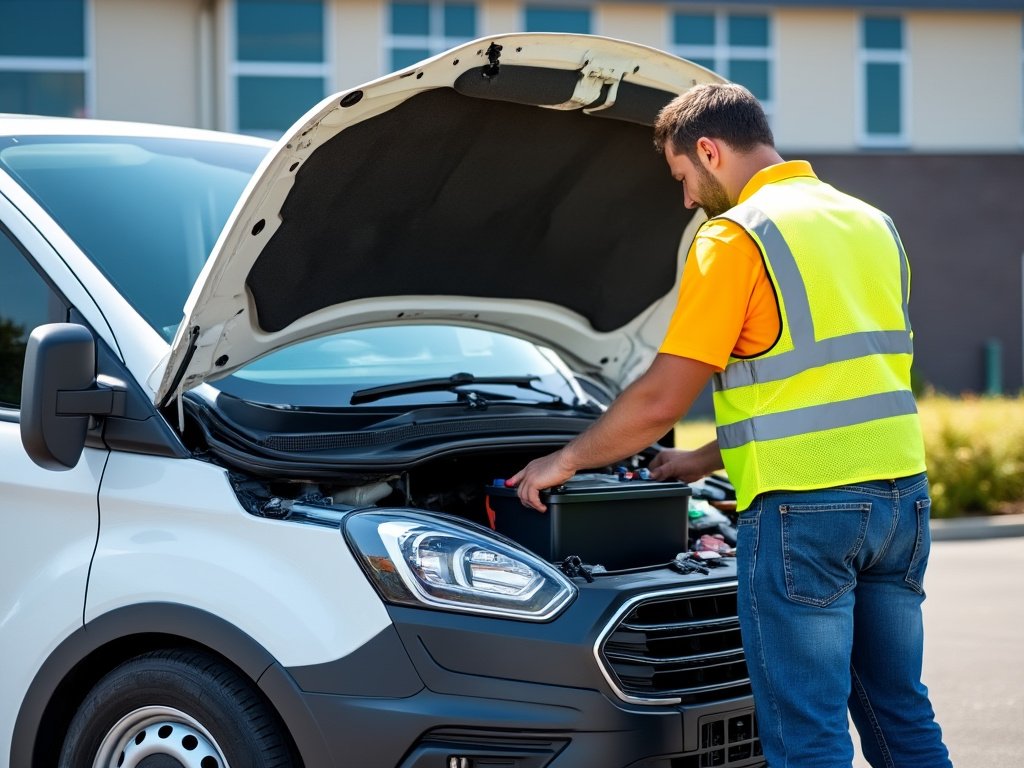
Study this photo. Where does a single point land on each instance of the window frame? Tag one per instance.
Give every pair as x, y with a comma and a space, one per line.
86, 64
434, 42
235, 68
586, 7
721, 51
900, 57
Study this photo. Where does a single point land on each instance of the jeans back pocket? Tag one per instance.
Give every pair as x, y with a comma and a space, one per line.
819, 544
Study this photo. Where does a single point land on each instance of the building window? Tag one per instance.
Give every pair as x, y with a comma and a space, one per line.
545, 19
737, 46
44, 65
883, 120
421, 30
281, 66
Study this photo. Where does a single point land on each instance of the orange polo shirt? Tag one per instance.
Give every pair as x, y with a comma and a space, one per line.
727, 305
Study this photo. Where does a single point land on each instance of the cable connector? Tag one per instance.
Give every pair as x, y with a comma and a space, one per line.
573, 567
686, 564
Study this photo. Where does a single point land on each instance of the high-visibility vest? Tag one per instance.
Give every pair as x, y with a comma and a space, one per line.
830, 403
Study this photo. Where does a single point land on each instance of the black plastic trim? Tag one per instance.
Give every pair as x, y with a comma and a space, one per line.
529, 719
239, 452
380, 667
486, 748
142, 429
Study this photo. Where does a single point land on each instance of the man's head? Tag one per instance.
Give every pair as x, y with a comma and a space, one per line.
714, 138
724, 111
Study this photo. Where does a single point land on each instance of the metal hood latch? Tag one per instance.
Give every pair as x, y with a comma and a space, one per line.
598, 84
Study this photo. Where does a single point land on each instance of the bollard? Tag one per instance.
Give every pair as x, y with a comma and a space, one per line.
993, 367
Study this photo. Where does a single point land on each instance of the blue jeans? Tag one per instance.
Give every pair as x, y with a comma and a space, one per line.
830, 593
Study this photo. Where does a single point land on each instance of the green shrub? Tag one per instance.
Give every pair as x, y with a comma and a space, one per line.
974, 448
975, 452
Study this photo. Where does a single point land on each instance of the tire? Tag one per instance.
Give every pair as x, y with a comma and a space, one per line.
175, 709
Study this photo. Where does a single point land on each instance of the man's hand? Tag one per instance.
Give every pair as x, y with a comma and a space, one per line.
688, 466
645, 411
675, 464
545, 472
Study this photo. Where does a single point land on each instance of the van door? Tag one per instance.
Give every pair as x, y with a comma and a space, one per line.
48, 520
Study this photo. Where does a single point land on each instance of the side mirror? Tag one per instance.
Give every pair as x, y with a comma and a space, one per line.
60, 394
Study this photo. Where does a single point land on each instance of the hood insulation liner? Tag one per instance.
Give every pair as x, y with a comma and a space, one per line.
447, 194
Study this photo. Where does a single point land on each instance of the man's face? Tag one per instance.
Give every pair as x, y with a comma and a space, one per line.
700, 188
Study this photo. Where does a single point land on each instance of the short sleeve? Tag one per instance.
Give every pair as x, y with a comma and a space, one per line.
726, 304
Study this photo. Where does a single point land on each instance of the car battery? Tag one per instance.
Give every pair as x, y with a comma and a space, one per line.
602, 519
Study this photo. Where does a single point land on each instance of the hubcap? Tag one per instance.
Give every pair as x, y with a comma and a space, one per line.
159, 737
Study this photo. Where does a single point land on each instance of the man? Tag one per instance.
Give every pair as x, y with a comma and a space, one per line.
794, 299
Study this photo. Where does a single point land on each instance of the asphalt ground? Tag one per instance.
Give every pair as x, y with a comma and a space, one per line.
974, 640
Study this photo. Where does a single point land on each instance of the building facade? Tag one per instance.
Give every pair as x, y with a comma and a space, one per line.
916, 106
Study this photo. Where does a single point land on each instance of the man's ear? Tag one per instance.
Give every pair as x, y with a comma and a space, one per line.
707, 152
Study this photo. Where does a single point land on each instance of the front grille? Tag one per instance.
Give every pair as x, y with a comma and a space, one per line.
682, 647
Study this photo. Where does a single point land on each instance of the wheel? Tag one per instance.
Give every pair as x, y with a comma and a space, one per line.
175, 709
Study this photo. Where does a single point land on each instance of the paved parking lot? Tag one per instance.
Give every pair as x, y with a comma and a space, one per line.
974, 651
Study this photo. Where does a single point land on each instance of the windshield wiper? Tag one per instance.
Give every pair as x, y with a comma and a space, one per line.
447, 383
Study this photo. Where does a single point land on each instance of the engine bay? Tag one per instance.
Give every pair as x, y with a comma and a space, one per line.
605, 518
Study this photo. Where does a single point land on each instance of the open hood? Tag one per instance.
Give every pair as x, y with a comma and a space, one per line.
510, 184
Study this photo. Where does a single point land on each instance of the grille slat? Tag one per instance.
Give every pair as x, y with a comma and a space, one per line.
683, 646
703, 660
695, 626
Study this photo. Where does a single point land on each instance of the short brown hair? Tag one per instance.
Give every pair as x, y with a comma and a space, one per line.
725, 111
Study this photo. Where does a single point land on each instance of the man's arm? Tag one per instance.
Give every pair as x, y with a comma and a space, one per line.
645, 411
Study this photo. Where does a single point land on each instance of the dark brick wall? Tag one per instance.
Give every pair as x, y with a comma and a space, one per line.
961, 218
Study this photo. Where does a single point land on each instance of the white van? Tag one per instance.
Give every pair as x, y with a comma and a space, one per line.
272, 532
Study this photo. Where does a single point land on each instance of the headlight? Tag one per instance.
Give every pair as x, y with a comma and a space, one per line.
417, 558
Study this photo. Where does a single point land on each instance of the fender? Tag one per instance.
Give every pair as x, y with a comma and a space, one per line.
92, 650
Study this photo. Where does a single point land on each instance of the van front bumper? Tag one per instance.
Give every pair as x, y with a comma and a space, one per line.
446, 690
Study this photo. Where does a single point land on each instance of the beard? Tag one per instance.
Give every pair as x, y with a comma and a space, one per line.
710, 193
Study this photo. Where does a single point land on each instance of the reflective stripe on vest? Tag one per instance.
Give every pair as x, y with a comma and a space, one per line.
814, 418
809, 353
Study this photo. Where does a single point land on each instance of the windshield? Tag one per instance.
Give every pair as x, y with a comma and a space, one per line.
327, 371
146, 211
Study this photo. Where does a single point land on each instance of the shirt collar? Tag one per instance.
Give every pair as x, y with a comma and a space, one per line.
785, 170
